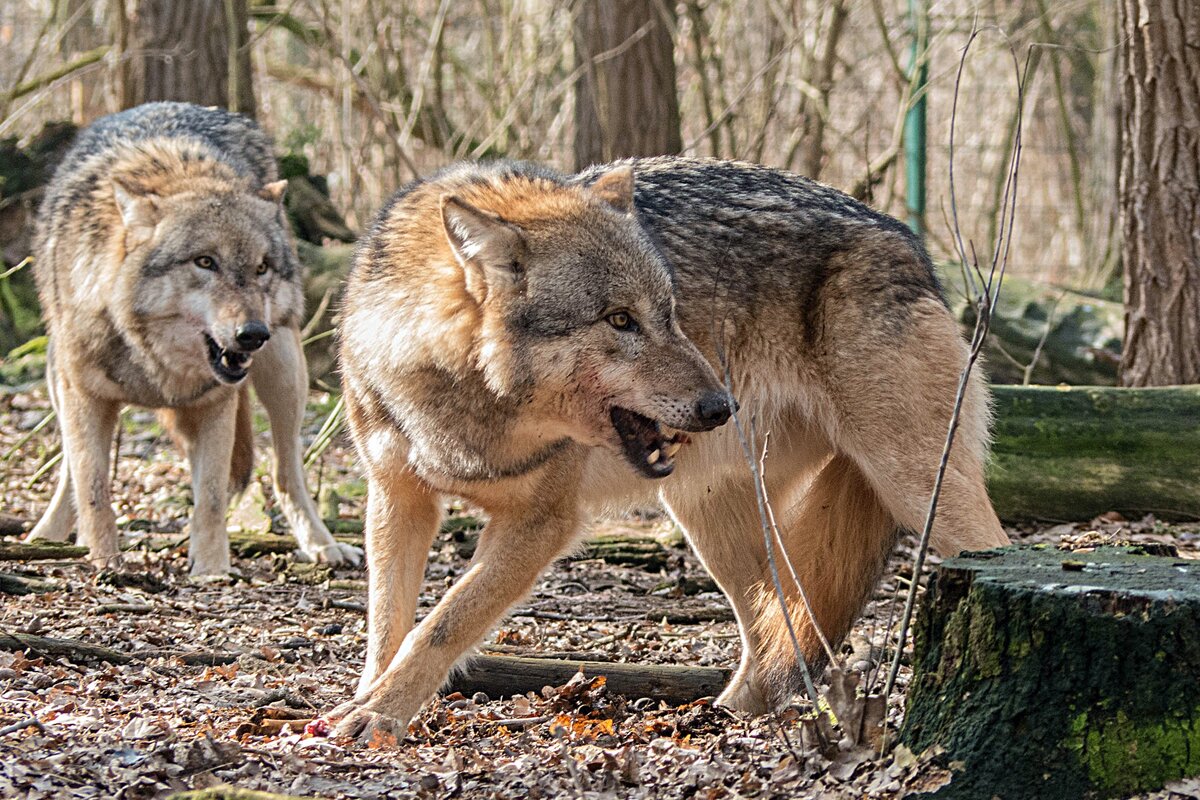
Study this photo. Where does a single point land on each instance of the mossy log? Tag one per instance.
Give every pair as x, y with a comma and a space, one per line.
506, 676
16, 585
40, 550
1049, 674
1074, 453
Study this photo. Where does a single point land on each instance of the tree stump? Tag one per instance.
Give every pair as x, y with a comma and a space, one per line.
1053, 674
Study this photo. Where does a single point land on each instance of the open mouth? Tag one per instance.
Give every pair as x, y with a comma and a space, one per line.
647, 447
230, 366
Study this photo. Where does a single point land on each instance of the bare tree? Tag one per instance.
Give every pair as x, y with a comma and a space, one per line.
1160, 191
625, 99
192, 50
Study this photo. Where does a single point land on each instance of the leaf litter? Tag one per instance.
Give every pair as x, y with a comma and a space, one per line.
291, 643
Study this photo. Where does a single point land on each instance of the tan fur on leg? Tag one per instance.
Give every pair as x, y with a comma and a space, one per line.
87, 424
519, 541
207, 433
838, 538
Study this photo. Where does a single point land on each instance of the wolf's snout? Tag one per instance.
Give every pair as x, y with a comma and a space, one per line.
251, 336
715, 409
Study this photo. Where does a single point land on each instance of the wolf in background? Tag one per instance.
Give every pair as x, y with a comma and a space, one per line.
547, 346
167, 276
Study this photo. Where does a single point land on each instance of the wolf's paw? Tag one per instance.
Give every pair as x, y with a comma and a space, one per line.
369, 727
335, 555
744, 697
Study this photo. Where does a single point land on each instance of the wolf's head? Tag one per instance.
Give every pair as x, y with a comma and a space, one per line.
209, 268
578, 317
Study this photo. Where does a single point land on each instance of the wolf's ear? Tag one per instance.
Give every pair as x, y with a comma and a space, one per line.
615, 187
273, 192
488, 248
139, 210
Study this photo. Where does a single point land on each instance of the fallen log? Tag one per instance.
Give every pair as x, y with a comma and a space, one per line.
16, 585
1073, 453
40, 550
70, 649
506, 676
1052, 674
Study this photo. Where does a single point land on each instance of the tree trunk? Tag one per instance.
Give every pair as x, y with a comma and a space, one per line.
1160, 191
625, 99
1048, 674
180, 50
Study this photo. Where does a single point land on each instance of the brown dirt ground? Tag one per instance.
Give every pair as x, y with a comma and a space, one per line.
158, 725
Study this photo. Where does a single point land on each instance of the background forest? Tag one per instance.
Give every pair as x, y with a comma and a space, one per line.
370, 95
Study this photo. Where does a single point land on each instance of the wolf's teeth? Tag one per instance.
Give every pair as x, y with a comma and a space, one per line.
653, 457
671, 449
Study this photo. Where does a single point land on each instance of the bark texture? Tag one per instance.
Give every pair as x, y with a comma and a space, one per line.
180, 50
1160, 191
1048, 674
625, 100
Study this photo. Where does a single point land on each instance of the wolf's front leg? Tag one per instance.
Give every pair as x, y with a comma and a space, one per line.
280, 378
56, 523
208, 438
87, 424
516, 546
402, 519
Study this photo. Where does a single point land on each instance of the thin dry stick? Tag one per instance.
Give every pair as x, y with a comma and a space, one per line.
986, 304
748, 451
787, 560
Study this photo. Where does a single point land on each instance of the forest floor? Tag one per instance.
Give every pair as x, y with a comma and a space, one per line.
294, 641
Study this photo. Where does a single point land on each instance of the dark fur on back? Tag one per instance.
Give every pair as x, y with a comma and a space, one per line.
755, 234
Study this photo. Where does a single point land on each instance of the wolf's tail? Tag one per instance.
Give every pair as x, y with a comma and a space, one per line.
838, 539
241, 465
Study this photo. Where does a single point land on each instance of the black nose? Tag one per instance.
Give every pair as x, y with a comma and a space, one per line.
715, 408
252, 335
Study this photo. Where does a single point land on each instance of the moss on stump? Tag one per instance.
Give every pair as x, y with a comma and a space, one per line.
1047, 674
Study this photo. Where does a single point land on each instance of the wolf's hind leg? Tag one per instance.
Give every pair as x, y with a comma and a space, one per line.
894, 403
837, 538
280, 378
59, 517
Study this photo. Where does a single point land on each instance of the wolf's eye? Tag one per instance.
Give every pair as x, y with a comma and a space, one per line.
205, 262
263, 266
622, 321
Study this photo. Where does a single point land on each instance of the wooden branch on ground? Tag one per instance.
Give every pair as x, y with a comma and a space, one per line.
75, 650
40, 550
70, 649
16, 585
506, 676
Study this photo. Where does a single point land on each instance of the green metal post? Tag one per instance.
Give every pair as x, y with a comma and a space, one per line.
914, 120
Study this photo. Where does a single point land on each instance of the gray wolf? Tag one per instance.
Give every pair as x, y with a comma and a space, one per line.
546, 346
168, 279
